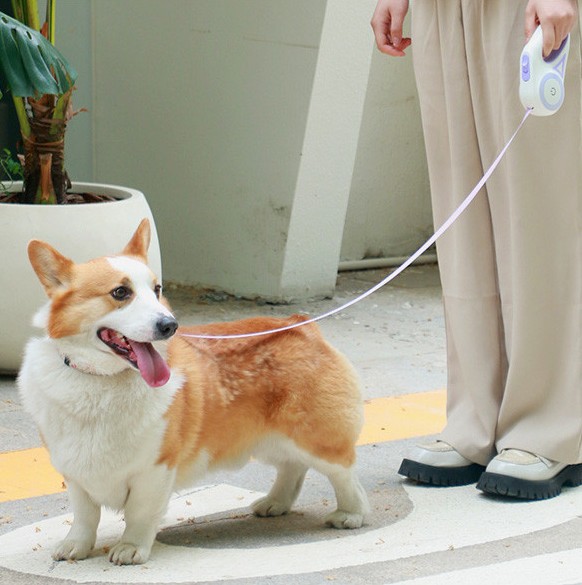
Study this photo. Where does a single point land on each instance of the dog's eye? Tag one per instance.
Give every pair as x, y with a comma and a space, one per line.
158, 290
121, 293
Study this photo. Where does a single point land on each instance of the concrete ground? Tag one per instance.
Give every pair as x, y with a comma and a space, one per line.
415, 534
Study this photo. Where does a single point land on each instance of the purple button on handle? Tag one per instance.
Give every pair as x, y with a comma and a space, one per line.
525, 71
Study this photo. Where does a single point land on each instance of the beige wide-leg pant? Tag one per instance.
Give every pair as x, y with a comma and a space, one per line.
511, 267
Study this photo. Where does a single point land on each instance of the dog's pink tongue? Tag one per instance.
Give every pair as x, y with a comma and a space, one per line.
151, 365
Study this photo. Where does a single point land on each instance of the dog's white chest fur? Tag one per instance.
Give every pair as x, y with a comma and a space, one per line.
100, 430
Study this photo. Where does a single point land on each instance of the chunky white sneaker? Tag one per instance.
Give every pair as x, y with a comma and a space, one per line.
520, 474
439, 464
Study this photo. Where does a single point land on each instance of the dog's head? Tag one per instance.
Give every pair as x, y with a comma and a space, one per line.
106, 313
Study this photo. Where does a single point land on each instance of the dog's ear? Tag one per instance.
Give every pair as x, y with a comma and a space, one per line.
140, 241
52, 268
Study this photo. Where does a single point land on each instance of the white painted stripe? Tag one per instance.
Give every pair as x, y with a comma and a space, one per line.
441, 518
560, 568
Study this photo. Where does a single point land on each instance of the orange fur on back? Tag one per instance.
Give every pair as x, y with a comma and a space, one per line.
239, 390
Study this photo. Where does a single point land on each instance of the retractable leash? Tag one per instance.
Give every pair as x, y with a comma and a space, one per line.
541, 81
541, 92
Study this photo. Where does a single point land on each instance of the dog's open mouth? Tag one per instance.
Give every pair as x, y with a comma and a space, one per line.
142, 356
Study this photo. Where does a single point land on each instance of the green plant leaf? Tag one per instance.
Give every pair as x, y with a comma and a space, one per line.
29, 64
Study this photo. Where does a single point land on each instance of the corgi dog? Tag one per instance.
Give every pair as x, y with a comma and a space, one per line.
131, 410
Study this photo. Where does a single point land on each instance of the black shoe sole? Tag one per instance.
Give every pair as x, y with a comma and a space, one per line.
513, 487
440, 476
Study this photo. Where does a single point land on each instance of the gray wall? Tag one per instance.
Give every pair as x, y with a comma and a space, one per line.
389, 211
74, 38
203, 105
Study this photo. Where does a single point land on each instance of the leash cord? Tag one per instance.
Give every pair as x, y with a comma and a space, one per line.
444, 227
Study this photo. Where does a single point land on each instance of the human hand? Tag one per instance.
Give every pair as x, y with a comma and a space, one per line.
387, 23
556, 17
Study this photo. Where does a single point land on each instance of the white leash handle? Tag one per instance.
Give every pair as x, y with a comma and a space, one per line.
444, 227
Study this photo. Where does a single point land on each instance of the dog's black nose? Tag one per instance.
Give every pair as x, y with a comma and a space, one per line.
166, 327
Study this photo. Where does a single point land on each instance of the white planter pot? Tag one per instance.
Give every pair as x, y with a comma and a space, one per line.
80, 232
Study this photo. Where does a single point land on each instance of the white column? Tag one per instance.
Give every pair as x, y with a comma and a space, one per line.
329, 151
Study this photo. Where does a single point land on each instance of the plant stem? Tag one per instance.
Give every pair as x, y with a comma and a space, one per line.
21, 114
27, 12
18, 10
61, 108
51, 8
42, 122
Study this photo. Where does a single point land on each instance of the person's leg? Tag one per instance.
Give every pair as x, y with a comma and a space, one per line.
536, 205
475, 351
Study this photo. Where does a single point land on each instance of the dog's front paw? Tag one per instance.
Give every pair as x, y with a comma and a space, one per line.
126, 553
341, 519
270, 507
72, 550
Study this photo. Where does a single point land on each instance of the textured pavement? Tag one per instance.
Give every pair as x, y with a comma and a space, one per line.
415, 534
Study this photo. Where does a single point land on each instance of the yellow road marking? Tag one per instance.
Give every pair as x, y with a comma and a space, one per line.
401, 417
28, 473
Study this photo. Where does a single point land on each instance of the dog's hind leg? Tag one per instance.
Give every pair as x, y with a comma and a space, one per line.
83, 533
352, 501
290, 476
